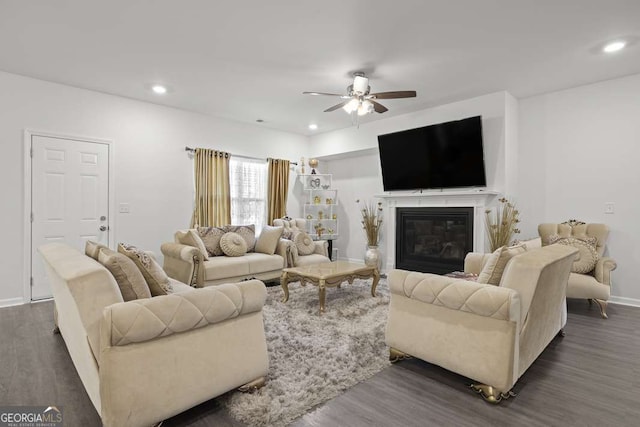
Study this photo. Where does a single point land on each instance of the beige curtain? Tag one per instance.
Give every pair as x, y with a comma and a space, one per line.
278, 187
213, 200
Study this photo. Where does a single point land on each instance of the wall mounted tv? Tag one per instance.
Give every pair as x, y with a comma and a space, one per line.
445, 155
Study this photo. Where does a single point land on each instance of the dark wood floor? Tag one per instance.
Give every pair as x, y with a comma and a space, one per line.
591, 377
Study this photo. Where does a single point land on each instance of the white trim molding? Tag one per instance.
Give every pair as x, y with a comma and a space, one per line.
10, 302
633, 302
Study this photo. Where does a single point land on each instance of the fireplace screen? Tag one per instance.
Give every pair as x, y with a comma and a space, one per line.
433, 240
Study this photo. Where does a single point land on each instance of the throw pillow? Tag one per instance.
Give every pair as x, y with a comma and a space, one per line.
156, 278
233, 244
586, 246
129, 278
211, 236
191, 238
268, 240
304, 243
92, 249
248, 233
492, 271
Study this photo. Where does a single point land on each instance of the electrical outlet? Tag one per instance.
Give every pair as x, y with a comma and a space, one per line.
609, 207
124, 208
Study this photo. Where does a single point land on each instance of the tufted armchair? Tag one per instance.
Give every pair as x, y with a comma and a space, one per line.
488, 333
596, 284
294, 258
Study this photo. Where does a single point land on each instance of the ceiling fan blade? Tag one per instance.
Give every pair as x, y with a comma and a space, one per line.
394, 94
335, 107
377, 107
326, 94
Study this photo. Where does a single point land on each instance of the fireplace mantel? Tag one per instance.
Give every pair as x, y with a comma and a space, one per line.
479, 200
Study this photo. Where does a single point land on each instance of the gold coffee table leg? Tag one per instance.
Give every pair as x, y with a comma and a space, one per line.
284, 282
321, 294
374, 285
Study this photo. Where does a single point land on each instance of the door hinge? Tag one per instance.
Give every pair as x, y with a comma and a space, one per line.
31, 281
31, 152
31, 216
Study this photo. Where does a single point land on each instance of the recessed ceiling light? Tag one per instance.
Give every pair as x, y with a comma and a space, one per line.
159, 89
614, 46
313, 126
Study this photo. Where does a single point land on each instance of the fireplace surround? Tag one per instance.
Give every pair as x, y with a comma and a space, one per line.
476, 200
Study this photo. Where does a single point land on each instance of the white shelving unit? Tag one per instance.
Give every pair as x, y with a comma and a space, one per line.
321, 207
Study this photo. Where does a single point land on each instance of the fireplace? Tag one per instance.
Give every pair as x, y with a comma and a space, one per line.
433, 239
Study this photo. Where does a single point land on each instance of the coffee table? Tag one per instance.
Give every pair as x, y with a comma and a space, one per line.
328, 275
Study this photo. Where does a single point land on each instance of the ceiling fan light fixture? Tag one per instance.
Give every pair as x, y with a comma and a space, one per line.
351, 106
365, 108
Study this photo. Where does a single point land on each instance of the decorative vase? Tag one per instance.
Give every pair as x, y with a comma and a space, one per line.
372, 257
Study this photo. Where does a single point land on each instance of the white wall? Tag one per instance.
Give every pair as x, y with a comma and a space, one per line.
580, 148
351, 155
152, 171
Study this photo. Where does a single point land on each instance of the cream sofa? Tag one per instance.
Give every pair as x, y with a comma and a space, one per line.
145, 360
488, 333
187, 264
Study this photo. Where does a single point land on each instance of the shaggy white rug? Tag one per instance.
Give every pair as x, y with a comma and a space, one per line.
314, 358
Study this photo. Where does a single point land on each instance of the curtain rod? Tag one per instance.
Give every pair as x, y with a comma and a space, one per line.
193, 150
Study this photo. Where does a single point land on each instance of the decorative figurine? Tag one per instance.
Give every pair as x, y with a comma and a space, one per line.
313, 163
309, 216
302, 165
320, 215
335, 216
317, 200
329, 201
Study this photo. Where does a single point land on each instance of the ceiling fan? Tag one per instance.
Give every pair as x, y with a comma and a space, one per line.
359, 99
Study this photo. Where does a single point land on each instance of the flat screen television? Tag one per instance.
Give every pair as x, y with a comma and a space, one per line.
445, 155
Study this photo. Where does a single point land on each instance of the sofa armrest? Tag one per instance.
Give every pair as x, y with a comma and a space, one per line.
146, 319
282, 249
603, 270
455, 294
183, 263
474, 261
322, 248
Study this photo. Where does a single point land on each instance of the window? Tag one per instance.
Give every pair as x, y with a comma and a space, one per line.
248, 182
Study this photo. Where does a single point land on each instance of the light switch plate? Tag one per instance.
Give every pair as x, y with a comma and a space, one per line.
609, 207
124, 208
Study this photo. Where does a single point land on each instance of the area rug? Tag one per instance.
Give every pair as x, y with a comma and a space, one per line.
315, 358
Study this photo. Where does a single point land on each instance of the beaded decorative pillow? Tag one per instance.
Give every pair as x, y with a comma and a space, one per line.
587, 251
233, 244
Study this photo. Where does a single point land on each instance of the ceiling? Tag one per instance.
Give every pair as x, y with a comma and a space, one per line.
252, 59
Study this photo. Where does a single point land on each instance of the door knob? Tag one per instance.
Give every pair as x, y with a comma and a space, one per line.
103, 228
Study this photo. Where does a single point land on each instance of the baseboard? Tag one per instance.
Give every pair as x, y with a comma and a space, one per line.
11, 302
624, 301
353, 260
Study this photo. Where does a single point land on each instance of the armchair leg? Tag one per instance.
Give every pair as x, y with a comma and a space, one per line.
396, 355
562, 333
254, 385
490, 394
602, 304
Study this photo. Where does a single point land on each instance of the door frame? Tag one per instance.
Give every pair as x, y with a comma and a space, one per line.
27, 194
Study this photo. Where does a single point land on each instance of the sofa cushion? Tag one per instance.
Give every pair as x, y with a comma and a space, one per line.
92, 249
587, 251
233, 244
156, 278
248, 233
129, 278
492, 271
261, 263
304, 243
211, 236
223, 267
311, 259
192, 238
268, 240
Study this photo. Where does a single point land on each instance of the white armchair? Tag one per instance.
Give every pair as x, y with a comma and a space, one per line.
294, 258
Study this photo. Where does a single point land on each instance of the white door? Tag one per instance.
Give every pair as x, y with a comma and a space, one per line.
69, 198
